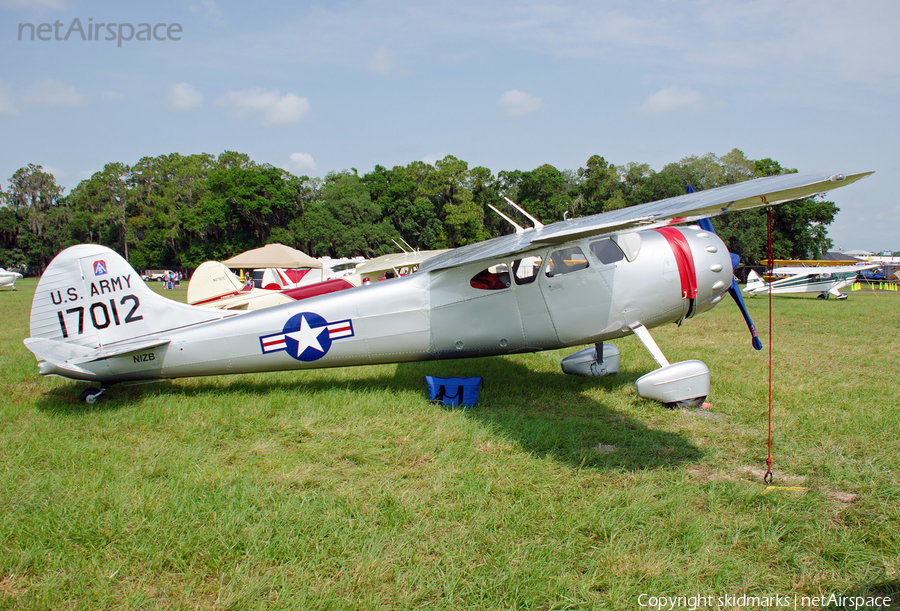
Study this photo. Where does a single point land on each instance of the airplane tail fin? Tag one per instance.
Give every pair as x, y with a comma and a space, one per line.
91, 300
754, 283
211, 281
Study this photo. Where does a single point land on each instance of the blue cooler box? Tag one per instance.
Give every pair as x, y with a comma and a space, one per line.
453, 392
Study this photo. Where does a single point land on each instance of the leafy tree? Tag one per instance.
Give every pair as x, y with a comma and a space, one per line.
546, 193
245, 202
601, 187
400, 195
448, 189
175, 210
99, 208
798, 227
487, 190
345, 221
38, 213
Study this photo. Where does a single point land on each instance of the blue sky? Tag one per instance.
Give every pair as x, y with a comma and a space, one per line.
315, 87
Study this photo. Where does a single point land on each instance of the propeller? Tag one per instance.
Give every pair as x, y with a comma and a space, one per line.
734, 289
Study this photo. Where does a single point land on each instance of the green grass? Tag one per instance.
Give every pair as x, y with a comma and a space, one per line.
346, 489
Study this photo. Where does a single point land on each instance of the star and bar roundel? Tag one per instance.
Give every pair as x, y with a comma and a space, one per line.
306, 336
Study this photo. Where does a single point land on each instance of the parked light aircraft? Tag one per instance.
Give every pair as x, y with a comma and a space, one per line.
8, 278
582, 281
827, 280
213, 285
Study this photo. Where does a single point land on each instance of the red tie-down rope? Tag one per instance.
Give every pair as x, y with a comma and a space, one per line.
771, 254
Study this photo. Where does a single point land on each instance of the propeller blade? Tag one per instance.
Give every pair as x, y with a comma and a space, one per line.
734, 289
736, 295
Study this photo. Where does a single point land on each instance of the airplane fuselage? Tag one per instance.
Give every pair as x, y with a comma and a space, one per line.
579, 292
821, 282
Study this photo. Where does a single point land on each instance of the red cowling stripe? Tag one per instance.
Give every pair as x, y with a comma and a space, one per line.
320, 288
684, 258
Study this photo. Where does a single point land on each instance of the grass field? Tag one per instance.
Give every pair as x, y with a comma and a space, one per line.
346, 489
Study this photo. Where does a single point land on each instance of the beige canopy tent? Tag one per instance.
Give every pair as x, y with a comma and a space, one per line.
272, 255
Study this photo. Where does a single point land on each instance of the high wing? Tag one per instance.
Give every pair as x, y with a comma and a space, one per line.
396, 262
824, 270
686, 208
778, 263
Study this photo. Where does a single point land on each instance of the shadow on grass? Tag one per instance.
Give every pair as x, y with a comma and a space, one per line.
547, 414
882, 595
63, 400
551, 414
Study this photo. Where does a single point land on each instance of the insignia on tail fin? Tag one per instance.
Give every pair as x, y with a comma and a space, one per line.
90, 304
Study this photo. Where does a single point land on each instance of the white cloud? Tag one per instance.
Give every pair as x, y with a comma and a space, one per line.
669, 99
275, 110
286, 111
301, 164
50, 92
183, 97
381, 61
515, 103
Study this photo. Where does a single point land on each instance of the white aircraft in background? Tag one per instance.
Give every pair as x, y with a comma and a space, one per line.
827, 280
9, 278
582, 281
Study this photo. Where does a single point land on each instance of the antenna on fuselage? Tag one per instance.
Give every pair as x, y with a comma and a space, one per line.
537, 223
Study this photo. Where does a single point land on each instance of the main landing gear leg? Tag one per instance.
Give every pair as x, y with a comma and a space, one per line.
682, 384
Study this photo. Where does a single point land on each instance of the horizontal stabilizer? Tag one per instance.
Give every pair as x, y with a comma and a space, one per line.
68, 355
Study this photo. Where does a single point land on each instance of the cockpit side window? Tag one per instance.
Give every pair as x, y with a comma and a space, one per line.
607, 251
566, 261
525, 270
491, 279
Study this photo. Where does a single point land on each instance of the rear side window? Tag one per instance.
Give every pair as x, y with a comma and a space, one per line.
491, 279
566, 261
525, 270
607, 251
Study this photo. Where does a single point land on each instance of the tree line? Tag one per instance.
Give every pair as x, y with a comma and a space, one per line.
181, 210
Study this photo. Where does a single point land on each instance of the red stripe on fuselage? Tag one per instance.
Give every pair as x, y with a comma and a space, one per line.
682, 251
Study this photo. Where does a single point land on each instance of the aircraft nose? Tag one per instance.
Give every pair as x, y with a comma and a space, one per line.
714, 266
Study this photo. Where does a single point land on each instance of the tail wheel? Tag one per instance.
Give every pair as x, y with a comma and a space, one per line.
90, 395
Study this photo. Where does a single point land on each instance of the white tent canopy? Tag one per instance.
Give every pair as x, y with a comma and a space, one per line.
272, 255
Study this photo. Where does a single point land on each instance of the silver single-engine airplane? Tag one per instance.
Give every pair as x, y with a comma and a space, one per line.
576, 282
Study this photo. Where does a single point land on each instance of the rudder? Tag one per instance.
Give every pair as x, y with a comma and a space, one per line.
754, 282
90, 296
212, 281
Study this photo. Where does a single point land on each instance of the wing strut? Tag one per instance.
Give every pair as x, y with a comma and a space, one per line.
537, 223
